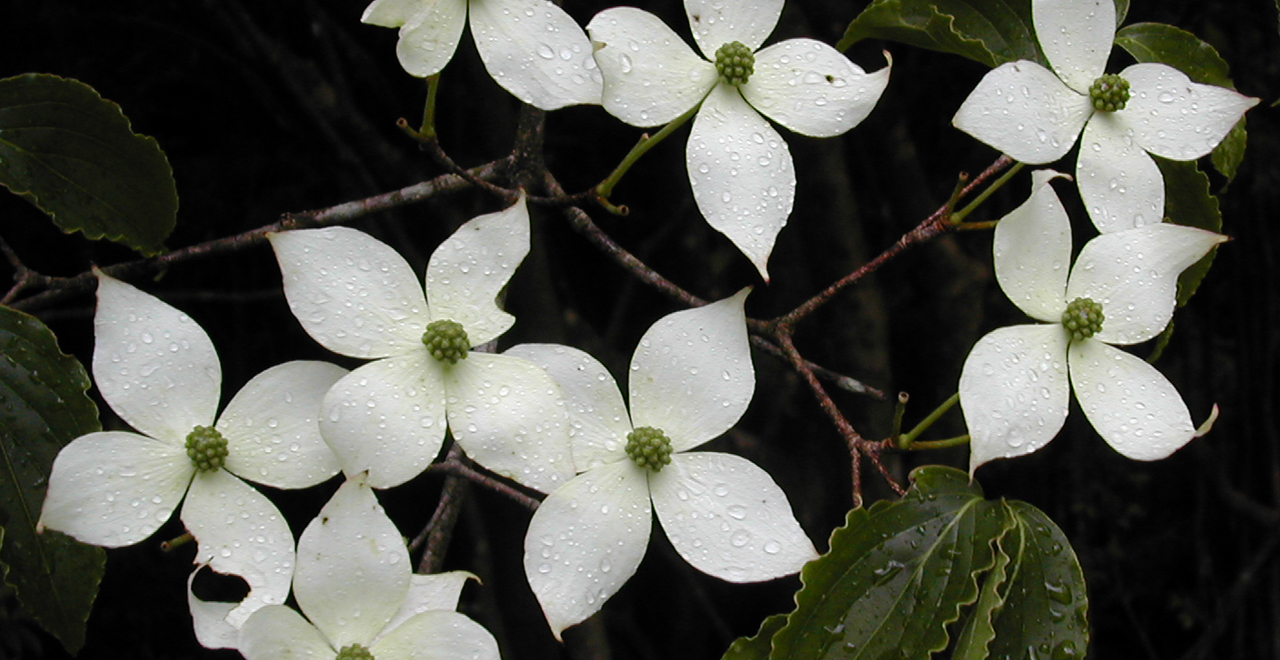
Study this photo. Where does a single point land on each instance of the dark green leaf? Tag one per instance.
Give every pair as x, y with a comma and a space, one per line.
73, 154
979, 628
1047, 608
897, 575
758, 647
988, 32
991, 32
1166, 44
43, 406
1188, 202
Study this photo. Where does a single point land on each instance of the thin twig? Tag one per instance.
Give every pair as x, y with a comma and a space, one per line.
467, 472
438, 534
840, 380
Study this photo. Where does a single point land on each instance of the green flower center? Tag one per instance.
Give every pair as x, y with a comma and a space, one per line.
446, 341
354, 652
1083, 318
735, 63
206, 448
650, 448
1109, 93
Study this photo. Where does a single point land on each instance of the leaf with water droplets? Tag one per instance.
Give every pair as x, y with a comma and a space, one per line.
1166, 44
42, 407
74, 155
978, 629
897, 575
1045, 603
759, 646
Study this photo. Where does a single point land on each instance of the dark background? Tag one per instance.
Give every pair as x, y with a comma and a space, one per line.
265, 108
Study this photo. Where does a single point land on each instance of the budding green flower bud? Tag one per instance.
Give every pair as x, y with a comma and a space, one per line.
206, 448
1109, 93
354, 652
735, 63
446, 341
650, 448
1083, 318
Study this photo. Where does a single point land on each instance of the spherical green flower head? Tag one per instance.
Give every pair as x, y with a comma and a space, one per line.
354, 652
446, 341
1083, 318
735, 63
1109, 93
650, 448
206, 448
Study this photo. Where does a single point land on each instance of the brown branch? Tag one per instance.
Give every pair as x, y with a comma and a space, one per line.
458, 468
59, 288
438, 533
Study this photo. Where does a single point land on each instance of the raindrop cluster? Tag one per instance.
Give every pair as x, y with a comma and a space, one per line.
446, 341
1109, 93
354, 652
206, 448
735, 63
1083, 318
649, 448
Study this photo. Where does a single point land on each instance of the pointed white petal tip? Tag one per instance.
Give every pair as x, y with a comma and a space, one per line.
1208, 423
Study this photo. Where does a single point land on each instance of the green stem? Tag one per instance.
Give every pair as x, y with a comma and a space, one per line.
428, 129
959, 216
940, 444
646, 143
908, 440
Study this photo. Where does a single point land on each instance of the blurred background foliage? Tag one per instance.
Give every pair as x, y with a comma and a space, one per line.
265, 108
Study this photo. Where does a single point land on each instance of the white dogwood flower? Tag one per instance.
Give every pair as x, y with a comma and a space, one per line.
1035, 115
159, 372
360, 598
532, 48
358, 297
1121, 290
690, 380
740, 169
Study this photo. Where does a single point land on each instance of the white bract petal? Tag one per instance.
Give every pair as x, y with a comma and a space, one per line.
598, 419
1120, 185
353, 567
1025, 111
718, 22
114, 488
439, 591
507, 414
1076, 36
812, 89
352, 293
437, 636
691, 376
743, 180
429, 31
728, 518
536, 51
155, 366
1014, 391
276, 632
1131, 405
586, 540
1134, 275
469, 269
650, 75
239, 532
1174, 118
387, 418
209, 619
272, 426
1032, 247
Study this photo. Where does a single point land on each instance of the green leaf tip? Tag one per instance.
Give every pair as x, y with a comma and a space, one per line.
74, 155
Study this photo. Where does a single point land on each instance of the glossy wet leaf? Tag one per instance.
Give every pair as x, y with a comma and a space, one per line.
897, 575
1046, 607
1189, 202
1182, 50
979, 628
74, 155
43, 406
992, 32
